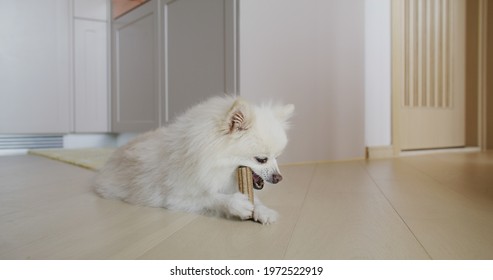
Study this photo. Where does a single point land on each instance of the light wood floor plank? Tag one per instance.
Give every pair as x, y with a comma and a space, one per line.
346, 217
444, 199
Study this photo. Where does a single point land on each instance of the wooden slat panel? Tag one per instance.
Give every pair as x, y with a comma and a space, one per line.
428, 54
445, 51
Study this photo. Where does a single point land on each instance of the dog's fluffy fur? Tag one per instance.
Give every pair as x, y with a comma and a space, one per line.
190, 165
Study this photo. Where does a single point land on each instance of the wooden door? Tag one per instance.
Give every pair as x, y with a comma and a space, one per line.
429, 54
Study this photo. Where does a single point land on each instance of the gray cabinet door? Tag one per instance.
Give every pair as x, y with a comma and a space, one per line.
200, 51
168, 56
135, 65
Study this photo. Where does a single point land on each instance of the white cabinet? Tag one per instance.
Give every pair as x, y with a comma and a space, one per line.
91, 9
35, 66
168, 56
53, 66
91, 92
90, 73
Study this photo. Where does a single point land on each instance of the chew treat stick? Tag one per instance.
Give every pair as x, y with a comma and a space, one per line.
245, 181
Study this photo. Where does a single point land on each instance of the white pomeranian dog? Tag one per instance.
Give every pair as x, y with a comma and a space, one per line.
191, 164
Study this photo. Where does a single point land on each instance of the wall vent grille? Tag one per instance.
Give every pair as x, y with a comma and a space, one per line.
8, 142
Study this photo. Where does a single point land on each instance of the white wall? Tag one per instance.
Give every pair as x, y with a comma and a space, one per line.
377, 73
310, 53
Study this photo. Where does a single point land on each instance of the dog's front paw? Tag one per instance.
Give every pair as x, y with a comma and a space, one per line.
264, 215
240, 206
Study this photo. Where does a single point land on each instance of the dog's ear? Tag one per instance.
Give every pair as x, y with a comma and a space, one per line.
239, 117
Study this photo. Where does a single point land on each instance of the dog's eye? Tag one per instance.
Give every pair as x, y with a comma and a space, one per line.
261, 160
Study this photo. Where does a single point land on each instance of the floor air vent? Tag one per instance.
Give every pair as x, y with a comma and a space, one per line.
8, 142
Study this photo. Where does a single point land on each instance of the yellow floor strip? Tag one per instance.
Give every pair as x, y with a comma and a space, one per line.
90, 158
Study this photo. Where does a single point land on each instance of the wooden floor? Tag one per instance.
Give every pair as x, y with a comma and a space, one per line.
425, 207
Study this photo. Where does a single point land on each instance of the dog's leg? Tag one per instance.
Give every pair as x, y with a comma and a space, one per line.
231, 205
264, 214
238, 205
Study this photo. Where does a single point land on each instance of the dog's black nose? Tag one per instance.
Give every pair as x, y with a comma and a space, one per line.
276, 178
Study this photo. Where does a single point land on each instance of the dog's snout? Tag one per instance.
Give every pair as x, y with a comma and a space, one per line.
276, 178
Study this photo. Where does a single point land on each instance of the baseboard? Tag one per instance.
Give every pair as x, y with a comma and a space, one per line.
439, 151
300, 163
78, 141
379, 152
